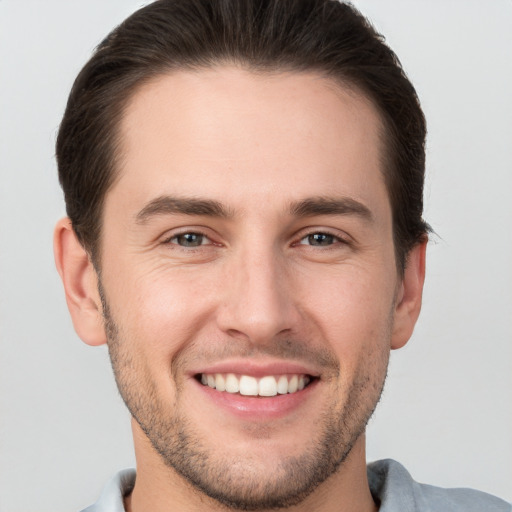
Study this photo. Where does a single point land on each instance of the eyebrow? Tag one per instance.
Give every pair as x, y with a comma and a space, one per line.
165, 205
313, 206
309, 207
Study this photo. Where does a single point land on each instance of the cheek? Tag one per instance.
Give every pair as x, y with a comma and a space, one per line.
163, 309
353, 310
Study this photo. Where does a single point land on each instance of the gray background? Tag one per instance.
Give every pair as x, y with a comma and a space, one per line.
447, 409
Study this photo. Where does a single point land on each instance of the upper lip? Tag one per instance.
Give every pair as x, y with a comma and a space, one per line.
258, 368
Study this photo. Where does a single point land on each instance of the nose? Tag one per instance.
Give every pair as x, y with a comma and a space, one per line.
257, 298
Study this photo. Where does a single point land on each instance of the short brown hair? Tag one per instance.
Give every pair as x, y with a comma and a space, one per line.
327, 36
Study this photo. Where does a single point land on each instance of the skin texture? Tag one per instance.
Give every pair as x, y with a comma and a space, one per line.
278, 162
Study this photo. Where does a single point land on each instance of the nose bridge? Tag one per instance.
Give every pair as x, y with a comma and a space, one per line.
257, 302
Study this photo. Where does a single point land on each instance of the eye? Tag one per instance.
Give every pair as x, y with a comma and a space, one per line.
320, 239
189, 239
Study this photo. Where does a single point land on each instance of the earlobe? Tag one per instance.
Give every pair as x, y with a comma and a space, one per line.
80, 284
409, 296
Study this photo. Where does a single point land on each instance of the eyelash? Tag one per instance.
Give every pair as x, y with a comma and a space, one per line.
336, 239
170, 239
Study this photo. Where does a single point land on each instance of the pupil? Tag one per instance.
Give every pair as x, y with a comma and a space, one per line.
190, 239
320, 239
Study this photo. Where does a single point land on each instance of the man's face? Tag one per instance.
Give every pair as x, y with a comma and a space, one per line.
248, 244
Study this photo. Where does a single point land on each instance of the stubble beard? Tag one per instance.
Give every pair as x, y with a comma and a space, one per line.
243, 483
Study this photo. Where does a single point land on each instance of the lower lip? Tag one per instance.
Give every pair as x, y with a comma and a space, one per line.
255, 408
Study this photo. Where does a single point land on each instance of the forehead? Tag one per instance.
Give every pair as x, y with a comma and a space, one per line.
200, 133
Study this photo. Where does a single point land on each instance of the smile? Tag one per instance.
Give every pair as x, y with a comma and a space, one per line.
246, 385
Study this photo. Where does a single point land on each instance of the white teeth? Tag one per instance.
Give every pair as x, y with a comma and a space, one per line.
293, 384
282, 385
268, 386
247, 385
220, 382
232, 385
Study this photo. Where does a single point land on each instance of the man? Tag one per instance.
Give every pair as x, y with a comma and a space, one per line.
244, 187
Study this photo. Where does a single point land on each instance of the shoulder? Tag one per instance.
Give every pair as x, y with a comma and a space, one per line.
111, 498
393, 487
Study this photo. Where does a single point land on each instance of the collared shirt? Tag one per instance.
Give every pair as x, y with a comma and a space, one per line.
392, 488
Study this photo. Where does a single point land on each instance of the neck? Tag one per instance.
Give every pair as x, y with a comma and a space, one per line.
159, 488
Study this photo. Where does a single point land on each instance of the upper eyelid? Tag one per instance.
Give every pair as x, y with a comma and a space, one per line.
328, 233
337, 240
300, 235
338, 234
168, 241
176, 235
170, 234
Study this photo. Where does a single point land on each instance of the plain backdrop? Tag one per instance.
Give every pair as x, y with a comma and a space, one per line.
446, 413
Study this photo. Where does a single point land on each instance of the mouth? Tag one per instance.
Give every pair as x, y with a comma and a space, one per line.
248, 385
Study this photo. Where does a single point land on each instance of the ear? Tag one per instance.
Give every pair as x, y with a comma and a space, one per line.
80, 284
408, 301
